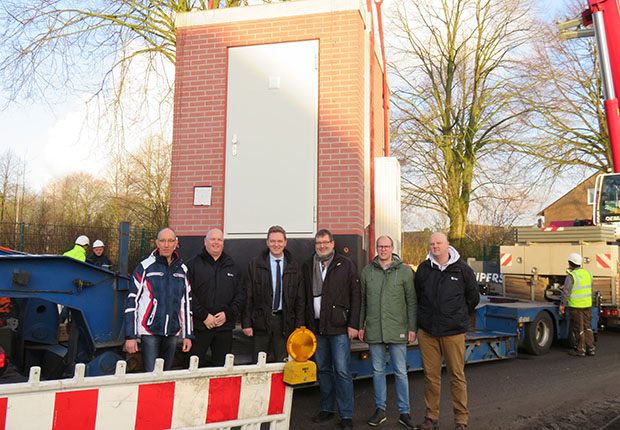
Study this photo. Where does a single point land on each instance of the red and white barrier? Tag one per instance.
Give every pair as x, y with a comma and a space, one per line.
193, 398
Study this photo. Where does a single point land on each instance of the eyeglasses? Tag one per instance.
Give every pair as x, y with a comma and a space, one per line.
384, 246
324, 242
166, 240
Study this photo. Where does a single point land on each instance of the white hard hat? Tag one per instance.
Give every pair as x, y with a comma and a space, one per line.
82, 240
98, 243
575, 258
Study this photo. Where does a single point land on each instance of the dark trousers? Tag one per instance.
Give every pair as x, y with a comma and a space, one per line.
220, 343
271, 339
581, 326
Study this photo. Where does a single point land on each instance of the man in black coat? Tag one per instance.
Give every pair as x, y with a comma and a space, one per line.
447, 294
98, 258
275, 297
333, 301
218, 296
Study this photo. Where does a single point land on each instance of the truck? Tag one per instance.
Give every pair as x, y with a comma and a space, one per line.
535, 267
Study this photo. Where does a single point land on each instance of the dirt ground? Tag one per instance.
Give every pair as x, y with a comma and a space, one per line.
592, 415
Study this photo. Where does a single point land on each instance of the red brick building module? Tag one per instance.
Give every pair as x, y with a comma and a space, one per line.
344, 132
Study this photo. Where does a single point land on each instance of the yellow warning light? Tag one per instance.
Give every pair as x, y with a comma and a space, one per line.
300, 345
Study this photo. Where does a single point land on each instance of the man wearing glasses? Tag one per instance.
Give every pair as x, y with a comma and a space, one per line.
159, 304
332, 312
388, 319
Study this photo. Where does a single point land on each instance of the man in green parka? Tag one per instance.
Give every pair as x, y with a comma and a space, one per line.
388, 318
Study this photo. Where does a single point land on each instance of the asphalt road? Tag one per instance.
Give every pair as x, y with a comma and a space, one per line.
555, 391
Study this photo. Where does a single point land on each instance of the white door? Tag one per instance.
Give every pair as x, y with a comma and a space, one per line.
271, 139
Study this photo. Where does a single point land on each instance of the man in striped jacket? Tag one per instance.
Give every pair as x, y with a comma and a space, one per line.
159, 304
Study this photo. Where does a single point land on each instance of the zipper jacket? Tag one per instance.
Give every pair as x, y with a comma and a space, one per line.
389, 303
159, 300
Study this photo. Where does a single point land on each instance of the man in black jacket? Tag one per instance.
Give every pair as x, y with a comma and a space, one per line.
218, 296
98, 258
332, 312
447, 294
275, 297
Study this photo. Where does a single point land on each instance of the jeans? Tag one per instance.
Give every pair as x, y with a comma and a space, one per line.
157, 346
398, 354
333, 360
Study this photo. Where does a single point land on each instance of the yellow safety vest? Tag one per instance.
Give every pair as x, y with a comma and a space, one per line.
77, 252
581, 294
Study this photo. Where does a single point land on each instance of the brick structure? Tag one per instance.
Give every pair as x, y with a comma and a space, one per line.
574, 205
344, 132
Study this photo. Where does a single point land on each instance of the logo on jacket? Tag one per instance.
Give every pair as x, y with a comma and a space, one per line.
453, 278
155, 274
232, 275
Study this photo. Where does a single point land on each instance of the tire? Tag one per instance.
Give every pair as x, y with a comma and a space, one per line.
539, 334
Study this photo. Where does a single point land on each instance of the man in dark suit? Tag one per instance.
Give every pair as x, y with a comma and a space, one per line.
275, 297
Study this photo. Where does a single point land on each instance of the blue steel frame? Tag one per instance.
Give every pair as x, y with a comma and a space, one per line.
95, 296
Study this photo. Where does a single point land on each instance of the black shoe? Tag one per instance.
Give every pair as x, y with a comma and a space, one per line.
429, 424
576, 353
405, 420
346, 424
322, 417
590, 352
377, 418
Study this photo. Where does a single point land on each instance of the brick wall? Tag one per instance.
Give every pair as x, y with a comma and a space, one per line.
200, 115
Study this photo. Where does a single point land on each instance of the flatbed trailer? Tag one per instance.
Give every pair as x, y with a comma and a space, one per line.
499, 328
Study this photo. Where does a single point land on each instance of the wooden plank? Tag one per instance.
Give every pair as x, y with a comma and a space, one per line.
519, 287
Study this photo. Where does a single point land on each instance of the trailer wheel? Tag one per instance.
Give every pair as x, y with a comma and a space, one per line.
539, 334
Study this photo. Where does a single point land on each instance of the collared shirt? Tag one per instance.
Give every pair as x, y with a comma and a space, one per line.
324, 267
274, 266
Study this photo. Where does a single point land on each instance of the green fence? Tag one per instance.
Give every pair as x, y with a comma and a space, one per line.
56, 239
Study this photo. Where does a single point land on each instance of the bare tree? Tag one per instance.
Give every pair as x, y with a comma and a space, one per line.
9, 180
76, 199
456, 100
138, 184
569, 120
58, 44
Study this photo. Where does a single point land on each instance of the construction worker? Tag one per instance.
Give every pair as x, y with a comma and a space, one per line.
79, 250
98, 258
577, 292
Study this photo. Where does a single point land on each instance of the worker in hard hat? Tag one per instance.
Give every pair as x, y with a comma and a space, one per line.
98, 258
79, 250
577, 293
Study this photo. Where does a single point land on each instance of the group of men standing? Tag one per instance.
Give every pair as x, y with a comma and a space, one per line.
385, 307
396, 306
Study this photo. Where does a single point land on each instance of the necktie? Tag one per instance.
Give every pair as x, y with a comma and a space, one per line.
276, 298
